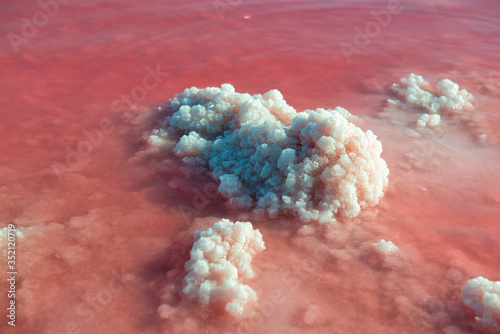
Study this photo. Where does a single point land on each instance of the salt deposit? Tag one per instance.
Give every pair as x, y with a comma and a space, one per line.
430, 121
107, 237
220, 265
386, 246
483, 297
272, 159
445, 98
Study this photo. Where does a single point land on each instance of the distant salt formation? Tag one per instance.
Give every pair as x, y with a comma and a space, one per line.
444, 99
386, 246
221, 263
483, 297
272, 159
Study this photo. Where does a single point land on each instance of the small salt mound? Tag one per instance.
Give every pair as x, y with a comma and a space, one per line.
220, 264
269, 158
386, 246
483, 296
446, 98
427, 120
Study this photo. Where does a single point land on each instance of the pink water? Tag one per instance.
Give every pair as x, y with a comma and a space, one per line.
103, 228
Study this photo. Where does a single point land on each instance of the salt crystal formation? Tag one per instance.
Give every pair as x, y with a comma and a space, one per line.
445, 99
270, 158
483, 297
220, 264
386, 246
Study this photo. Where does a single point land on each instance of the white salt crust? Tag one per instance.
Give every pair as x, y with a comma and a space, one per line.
272, 159
386, 246
220, 264
444, 99
483, 297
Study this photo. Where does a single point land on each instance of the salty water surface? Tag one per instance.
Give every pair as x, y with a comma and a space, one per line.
105, 223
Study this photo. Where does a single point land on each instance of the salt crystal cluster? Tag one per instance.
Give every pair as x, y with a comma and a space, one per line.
386, 246
272, 159
483, 297
444, 99
220, 264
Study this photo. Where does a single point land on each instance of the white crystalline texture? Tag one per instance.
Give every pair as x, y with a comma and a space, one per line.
156, 141
386, 246
446, 98
483, 297
267, 157
220, 264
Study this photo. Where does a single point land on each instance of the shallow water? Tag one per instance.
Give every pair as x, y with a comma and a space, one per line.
103, 225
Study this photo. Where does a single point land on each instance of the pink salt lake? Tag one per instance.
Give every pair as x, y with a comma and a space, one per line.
102, 228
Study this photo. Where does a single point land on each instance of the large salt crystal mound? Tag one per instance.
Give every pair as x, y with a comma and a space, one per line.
483, 297
269, 158
220, 264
